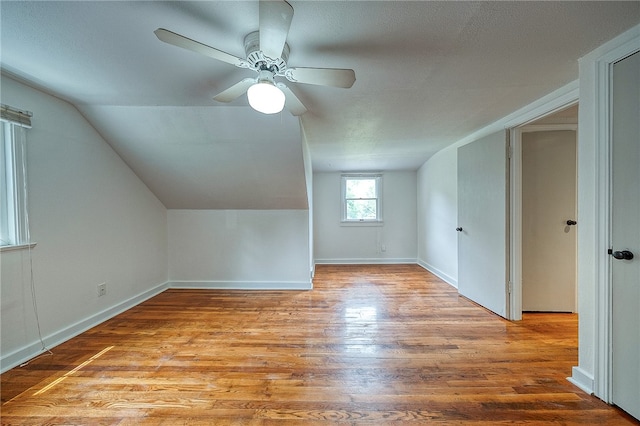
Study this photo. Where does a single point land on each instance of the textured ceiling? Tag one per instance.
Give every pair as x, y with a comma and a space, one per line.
428, 73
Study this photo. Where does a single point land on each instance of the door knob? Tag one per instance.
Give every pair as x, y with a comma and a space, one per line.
571, 222
459, 229
622, 255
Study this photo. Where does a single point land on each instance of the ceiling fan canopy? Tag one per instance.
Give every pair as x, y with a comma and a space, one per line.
267, 53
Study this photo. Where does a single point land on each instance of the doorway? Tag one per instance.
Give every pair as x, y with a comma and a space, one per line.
544, 191
548, 218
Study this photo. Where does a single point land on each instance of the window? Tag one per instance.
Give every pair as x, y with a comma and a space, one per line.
13, 219
361, 198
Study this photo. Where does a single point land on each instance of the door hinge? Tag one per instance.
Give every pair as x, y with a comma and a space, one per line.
510, 287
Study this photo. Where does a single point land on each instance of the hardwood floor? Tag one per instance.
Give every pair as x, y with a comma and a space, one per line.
370, 344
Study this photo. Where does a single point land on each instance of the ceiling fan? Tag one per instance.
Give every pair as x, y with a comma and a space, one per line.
267, 53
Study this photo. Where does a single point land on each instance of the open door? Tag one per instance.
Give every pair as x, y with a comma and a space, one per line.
483, 189
625, 235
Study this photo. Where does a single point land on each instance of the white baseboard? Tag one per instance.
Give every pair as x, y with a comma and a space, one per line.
365, 261
34, 349
242, 285
438, 273
582, 379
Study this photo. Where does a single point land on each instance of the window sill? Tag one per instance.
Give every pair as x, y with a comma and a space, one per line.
17, 247
362, 223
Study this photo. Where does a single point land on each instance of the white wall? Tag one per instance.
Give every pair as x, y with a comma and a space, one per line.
93, 220
335, 243
250, 249
438, 215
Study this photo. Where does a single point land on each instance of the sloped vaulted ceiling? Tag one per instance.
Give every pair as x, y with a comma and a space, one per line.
428, 74
209, 157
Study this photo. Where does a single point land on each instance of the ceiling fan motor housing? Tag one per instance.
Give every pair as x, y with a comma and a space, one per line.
258, 61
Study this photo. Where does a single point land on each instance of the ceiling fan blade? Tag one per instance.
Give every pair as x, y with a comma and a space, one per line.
275, 21
195, 46
322, 76
292, 102
235, 91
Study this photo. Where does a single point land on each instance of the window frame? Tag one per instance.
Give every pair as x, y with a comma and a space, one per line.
13, 217
344, 178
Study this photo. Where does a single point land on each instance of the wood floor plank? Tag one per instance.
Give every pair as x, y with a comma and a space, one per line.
381, 344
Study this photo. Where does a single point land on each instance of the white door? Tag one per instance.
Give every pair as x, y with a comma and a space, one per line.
482, 222
625, 235
548, 221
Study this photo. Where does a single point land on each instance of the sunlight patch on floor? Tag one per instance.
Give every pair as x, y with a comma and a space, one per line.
69, 373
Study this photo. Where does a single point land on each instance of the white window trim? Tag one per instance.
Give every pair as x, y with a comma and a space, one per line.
28, 246
343, 200
16, 196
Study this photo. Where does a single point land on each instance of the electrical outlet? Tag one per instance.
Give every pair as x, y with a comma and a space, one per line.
102, 289
383, 248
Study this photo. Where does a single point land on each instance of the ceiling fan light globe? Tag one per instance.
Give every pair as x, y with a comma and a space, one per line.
266, 98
